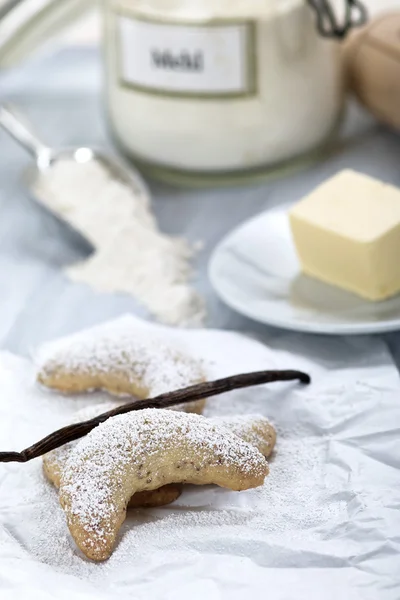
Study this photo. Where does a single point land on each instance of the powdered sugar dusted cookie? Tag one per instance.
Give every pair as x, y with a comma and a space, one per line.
146, 450
120, 358
254, 429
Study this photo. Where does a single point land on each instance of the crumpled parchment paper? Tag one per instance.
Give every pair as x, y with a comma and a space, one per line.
325, 525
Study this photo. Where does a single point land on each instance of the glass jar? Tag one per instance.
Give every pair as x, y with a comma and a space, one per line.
200, 89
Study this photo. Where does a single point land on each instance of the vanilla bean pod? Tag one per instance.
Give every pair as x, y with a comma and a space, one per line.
183, 396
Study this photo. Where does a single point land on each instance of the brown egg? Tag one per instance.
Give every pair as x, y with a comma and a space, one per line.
372, 60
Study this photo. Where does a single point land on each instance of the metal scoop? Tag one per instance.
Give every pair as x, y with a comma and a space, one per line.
45, 157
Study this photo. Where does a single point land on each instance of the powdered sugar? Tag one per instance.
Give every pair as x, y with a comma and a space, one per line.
132, 254
249, 427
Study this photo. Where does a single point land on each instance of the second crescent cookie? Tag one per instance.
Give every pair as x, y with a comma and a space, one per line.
121, 359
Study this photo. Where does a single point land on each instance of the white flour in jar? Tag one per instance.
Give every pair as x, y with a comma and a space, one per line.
131, 254
201, 112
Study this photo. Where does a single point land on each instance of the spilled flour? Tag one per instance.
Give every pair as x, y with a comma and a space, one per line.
131, 254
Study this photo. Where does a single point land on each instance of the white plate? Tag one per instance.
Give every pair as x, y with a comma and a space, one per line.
255, 270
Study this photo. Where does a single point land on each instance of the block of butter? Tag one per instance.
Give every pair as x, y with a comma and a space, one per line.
347, 233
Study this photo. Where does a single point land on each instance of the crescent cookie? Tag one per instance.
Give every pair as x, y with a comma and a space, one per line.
121, 359
254, 429
146, 450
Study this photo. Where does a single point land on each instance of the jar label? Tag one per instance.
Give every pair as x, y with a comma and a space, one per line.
212, 60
